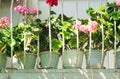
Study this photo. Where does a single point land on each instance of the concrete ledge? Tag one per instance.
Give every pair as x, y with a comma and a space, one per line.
60, 74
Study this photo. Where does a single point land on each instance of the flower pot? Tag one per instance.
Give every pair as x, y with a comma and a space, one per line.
95, 60
118, 59
3, 60
28, 60
45, 59
72, 59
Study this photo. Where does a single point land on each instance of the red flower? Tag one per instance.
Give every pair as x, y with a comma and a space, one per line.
52, 2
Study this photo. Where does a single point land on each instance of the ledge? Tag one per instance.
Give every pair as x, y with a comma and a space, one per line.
60, 74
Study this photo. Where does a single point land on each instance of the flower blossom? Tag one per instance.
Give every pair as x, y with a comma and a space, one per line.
93, 25
19, 1
33, 11
52, 2
83, 28
77, 25
4, 22
21, 9
118, 3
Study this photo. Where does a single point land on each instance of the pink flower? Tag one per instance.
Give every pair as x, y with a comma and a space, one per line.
52, 2
4, 22
83, 28
93, 25
77, 25
21, 9
118, 3
18, 0
33, 11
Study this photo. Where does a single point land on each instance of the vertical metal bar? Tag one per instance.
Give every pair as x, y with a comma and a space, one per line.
62, 7
102, 55
24, 48
102, 45
76, 22
37, 6
115, 38
63, 38
11, 30
62, 19
77, 33
90, 46
115, 48
50, 42
25, 4
90, 38
38, 44
90, 43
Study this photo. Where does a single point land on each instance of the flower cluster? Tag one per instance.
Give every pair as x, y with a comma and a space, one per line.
118, 3
33, 11
4, 22
18, 1
86, 28
52, 2
21, 9
93, 25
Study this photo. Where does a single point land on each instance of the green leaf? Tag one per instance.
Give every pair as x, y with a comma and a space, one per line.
67, 35
73, 42
11, 42
56, 44
20, 36
21, 25
101, 8
89, 10
119, 27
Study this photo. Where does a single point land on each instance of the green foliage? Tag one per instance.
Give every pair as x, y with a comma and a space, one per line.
106, 16
44, 34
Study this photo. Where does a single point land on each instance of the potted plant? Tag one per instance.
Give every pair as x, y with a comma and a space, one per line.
103, 18
4, 41
48, 60
114, 12
26, 36
72, 57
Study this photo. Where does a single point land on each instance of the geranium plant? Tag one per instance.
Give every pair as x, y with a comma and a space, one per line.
84, 27
5, 41
30, 28
102, 18
44, 38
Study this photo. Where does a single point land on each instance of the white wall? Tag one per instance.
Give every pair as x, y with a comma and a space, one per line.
69, 7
